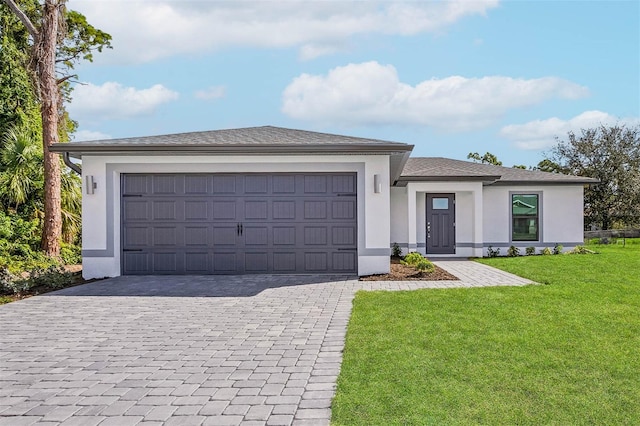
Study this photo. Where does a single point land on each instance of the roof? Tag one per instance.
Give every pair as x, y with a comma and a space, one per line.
265, 139
446, 169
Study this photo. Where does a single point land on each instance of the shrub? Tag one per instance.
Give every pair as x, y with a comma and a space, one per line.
530, 251
38, 279
396, 251
412, 258
557, 249
70, 254
513, 251
424, 265
493, 253
580, 250
546, 251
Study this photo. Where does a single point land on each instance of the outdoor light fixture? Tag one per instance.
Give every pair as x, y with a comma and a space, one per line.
377, 185
91, 185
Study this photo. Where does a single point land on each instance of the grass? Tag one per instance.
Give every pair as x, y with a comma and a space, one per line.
562, 353
5, 299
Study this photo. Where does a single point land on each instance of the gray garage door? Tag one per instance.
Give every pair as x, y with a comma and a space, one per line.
239, 223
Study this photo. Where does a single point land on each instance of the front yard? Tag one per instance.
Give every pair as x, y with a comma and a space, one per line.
565, 352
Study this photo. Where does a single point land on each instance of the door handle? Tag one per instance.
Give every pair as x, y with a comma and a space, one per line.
241, 230
238, 229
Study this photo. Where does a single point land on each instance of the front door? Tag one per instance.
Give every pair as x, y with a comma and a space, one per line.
441, 224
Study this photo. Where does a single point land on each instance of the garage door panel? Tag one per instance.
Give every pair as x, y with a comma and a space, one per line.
344, 184
344, 260
165, 263
195, 236
164, 210
283, 210
225, 262
256, 262
165, 236
284, 235
255, 235
343, 209
196, 210
224, 184
196, 262
343, 235
196, 184
136, 210
224, 210
225, 235
315, 210
234, 223
256, 184
164, 184
284, 184
255, 210
315, 235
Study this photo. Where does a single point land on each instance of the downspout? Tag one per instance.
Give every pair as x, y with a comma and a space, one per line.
73, 166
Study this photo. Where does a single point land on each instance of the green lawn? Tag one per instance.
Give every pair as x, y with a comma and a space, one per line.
564, 353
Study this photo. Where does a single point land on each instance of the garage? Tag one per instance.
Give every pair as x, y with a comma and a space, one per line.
239, 223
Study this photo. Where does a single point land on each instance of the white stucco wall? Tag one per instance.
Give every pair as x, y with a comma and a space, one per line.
561, 220
101, 210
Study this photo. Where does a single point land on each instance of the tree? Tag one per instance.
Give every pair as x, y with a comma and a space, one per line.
487, 158
610, 154
58, 40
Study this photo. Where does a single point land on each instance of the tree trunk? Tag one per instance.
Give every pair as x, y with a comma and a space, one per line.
45, 56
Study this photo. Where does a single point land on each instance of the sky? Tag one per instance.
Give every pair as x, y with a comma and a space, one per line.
450, 77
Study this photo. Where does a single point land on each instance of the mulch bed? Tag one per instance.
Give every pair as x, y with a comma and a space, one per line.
400, 272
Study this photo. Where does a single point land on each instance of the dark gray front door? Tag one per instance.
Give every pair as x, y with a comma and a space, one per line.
239, 223
441, 231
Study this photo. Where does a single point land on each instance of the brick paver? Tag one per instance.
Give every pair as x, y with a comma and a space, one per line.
187, 350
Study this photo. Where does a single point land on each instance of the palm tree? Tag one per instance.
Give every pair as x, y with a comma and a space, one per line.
20, 172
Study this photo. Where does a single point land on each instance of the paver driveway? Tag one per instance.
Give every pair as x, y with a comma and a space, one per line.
183, 350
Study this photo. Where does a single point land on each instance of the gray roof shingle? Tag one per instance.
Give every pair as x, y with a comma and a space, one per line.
439, 169
249, 139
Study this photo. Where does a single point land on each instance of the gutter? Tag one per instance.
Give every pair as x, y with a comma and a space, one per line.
73, 166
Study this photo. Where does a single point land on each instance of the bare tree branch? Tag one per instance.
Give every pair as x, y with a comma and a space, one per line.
23, 17
63, 79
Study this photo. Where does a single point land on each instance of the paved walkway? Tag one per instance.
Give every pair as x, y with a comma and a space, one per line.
260, 350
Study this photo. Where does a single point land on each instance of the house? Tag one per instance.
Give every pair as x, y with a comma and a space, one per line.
282, 201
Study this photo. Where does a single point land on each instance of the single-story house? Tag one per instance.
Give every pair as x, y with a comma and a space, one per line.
281, 201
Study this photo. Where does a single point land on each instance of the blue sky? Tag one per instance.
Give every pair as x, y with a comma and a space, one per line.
450, 77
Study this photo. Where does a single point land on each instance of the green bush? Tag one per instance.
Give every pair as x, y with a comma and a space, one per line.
424, 265
530, 251
396, 251
557, 249
580, 250
546, 251
70, 254
513, 251
412, 258
493, 253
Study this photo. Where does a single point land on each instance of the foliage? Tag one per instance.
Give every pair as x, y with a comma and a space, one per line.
611, 155
70, 254
419, 262
38, 280
557, 248
513, 251
546, 251
396, 251
487, 158
580, 250
564, 353
491, 252
530, 251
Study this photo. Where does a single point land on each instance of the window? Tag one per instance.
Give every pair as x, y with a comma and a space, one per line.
440, 204
525, 217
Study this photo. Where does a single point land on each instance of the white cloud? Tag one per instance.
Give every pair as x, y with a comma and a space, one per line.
112, 100
213, 92
370, 93
540, 134
146, 30
89, 135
